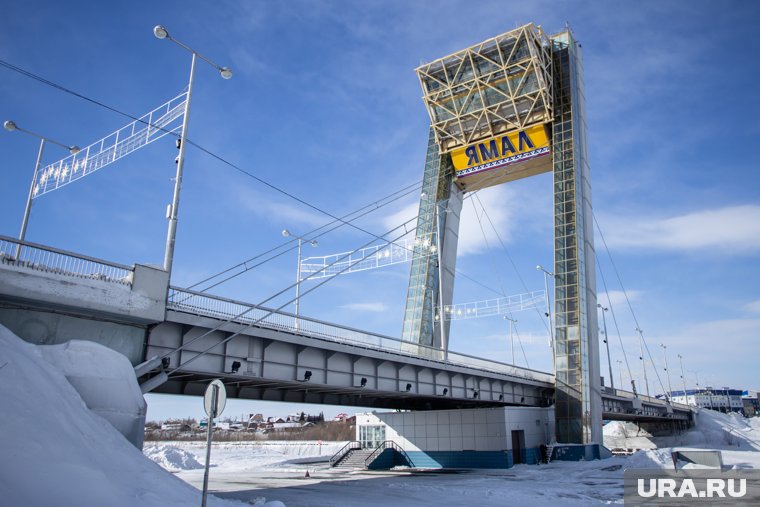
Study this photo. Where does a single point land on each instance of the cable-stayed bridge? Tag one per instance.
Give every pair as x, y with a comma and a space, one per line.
178, 339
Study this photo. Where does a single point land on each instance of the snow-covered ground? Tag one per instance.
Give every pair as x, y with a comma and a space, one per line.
272, 470
56, 452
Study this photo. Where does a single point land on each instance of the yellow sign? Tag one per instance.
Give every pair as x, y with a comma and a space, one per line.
500, 151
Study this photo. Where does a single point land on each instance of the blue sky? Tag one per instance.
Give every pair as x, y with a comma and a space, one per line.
324, 104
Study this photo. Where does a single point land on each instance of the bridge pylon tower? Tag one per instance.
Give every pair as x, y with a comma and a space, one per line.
508, 108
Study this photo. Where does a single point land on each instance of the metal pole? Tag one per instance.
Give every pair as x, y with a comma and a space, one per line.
683, 380
432, 312
511, 338
444, 338
549, 314
28, 209
214, 398
298, 279
607, 343
620, 371
172, 233
643, 364
667, 371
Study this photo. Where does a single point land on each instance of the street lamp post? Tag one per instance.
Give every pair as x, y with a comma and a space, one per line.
643, 364
300, 239
547, 274
607, 343
512, 322
683, 378
667, 371
699, 387
161, 33
11, 126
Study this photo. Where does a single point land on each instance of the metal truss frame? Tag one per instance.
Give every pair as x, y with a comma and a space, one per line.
372, 257
501, 84
163, 120
498, 306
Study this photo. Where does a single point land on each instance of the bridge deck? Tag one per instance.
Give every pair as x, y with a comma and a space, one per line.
274, 348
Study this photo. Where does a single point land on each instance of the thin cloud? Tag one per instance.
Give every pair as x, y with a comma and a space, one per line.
753, 307
366, 307
729, 230
616, 298
290, 216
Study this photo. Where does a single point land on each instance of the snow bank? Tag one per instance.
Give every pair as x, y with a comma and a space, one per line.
724, 431
732, 434
650, 458
626, 435
712, 430
105, 379
56, 452
172, 458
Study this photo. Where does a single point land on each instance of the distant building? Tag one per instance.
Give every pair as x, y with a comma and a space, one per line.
722, 400
284, 426
751, 401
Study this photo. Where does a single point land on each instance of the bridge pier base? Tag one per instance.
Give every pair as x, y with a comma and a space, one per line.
49, 327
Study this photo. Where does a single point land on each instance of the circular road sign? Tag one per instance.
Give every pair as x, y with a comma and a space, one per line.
214, 404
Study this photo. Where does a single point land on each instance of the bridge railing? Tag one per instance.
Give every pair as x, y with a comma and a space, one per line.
649, 399
37, 257
244, 313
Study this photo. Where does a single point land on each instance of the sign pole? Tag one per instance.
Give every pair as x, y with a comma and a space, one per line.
214, 398
214, 401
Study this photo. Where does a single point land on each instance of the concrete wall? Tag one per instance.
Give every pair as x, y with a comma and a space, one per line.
42, 327
465, 438
143, 301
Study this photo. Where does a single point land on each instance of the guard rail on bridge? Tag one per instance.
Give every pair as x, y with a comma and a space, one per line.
644, 398
52, 260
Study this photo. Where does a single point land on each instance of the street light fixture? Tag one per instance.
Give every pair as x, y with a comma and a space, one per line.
667, 371
11, 126
643, 364
683, 378
286, 233
547, 274
512, 323
162, 33
607, 343
620, 371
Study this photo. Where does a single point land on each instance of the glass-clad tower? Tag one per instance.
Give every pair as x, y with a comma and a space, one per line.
508, 108
578, 406
422, 319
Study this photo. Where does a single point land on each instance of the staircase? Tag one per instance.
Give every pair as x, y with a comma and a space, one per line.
548, 456
354, 459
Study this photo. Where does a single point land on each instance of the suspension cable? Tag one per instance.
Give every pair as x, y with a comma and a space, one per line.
510, 314
628, 301
512, 262
271, 311
315, 233
614, 320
